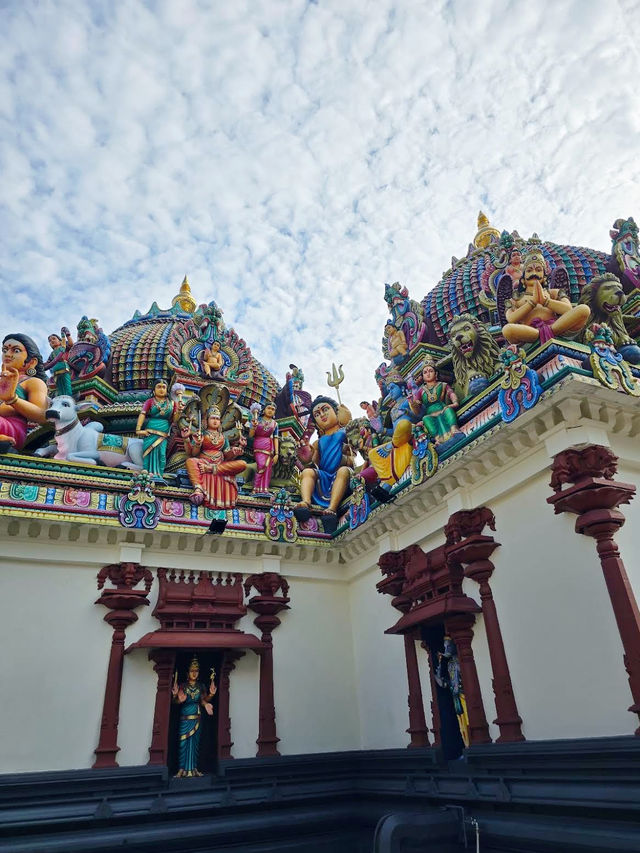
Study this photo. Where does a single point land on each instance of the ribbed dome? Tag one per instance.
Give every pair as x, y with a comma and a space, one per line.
139, 350
467, 285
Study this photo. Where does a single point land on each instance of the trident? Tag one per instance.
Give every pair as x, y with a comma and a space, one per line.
335, 378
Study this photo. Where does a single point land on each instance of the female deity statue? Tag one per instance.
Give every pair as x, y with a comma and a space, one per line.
449, 677
213, 464
154, 425
266, 441
436, 402
58, 362
191, 694
23, 390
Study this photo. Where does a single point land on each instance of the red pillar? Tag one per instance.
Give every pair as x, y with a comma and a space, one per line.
460, 630
267, 604
121, 601
435, 710
392, 566
475, 551
417, 724
224, 719
164, 663
595, 497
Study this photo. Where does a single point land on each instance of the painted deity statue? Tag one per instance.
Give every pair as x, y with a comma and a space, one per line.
330, 461
212, 360
23, 390
536, 313
396, 343
191, 695
266, 440
436, 403
449, 677
154, 425
58, 361
212, 464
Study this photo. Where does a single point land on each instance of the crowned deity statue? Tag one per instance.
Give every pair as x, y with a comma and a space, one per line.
266, 440
436, 402
154, 425
23, 390
536, 313
329, 462
58, 361
191, 695
212, 463
449, 677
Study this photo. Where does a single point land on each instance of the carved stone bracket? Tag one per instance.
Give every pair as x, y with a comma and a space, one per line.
121, 599
272, 599
594, 496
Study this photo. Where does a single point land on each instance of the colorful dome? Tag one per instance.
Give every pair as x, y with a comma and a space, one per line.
470, 284
141, 346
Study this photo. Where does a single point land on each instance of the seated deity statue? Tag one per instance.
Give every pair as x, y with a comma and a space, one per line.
536, 313
212, 360
325, 480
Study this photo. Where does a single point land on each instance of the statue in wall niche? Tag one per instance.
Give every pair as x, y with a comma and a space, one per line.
329, 461
474, 354
536, 313
436, 403
191, 695
23, 390
605, 298
449, 677
58, 361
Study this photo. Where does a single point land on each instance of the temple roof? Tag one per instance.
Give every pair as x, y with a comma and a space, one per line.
467, 285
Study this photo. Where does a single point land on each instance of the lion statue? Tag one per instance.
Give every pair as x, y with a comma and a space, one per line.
474, 354
605, 297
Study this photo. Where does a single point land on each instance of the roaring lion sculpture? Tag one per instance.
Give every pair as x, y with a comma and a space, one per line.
474, 354
605, 297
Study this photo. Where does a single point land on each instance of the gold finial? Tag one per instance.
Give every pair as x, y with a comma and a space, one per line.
485, 232
184, 298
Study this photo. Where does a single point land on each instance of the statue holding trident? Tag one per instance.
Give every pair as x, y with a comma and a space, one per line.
329, 460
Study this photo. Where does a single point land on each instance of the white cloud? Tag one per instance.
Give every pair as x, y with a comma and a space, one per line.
291, 157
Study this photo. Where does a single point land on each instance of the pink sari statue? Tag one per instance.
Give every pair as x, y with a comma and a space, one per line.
264, 431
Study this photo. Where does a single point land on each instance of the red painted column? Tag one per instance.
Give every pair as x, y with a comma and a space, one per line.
435, 710
594, 497
121, 601
267, 604
460, 630
164, 663
392, 565
417, 724
224, 719
475, 551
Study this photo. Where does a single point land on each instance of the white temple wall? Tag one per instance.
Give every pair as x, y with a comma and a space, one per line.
380, 670
559, 631
55, 653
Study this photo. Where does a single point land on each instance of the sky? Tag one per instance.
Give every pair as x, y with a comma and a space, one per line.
290, 156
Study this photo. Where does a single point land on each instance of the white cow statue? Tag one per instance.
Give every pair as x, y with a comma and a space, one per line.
88, 444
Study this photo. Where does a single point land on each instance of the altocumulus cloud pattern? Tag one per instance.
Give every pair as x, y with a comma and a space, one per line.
292, 156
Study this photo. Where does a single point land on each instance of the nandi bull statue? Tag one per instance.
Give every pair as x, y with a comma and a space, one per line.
88, 444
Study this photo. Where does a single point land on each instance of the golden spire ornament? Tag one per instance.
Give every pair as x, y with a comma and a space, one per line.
184, 298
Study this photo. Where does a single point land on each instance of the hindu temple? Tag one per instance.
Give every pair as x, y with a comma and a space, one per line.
240, 614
